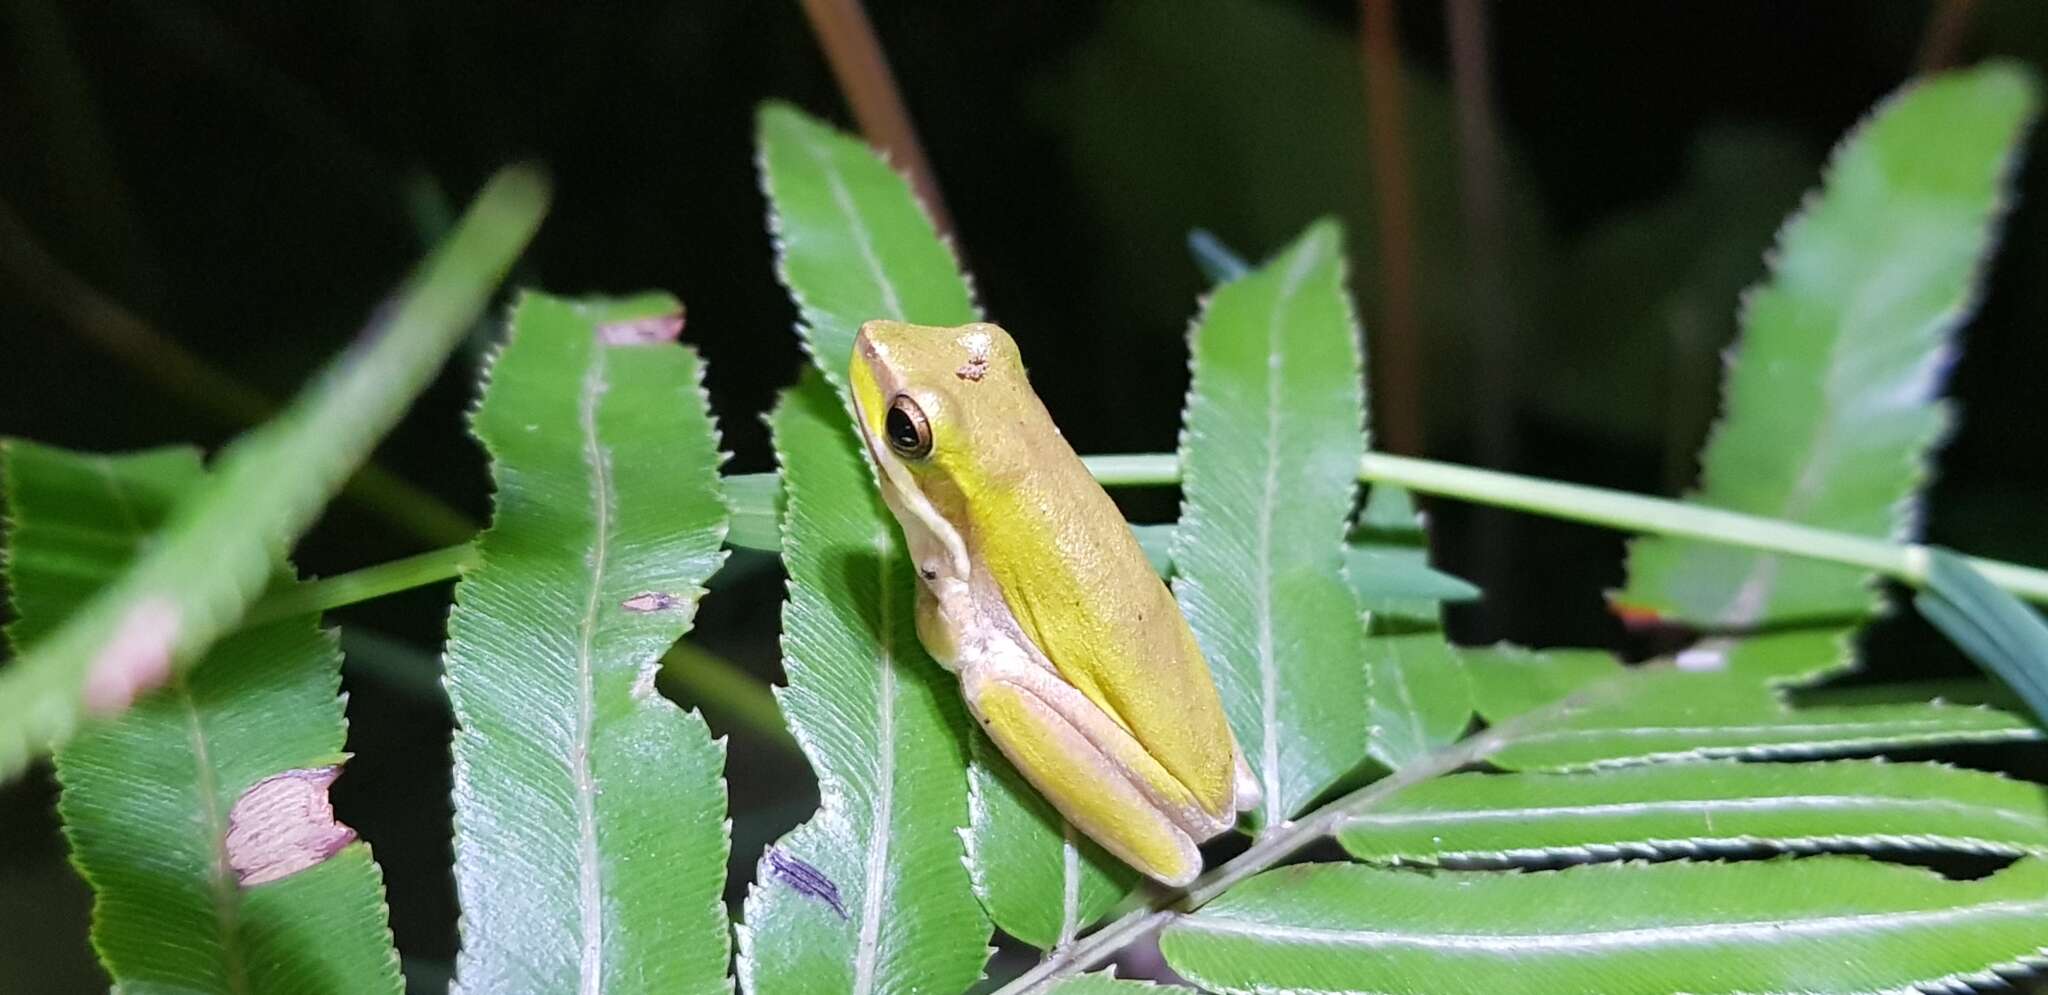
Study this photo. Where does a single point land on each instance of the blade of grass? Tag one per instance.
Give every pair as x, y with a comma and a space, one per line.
215, 554
120, 333
1991, 626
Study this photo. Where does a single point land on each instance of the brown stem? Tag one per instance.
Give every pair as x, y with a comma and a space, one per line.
855, 54
1948, 24
1492, 318
1396, 351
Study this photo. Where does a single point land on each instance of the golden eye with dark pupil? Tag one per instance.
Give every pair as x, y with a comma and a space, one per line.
909, 434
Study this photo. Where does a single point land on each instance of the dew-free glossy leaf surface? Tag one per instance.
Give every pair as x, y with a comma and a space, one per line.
1387, 562
222, 541
150, 796
1421, 700
1666, 716
1269, 452
855, 245
1508, 680
1705, 808
1831, 401
872, 894
1816, 925
590, 830
1801, 655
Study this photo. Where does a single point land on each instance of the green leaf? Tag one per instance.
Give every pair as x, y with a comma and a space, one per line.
1420, 700
1508, 680
1673, 715
1816, 925
1803, 655
1269, 453
1831, 402
1157, 541
1387, 562
1017, 838
154, 799
871, 895
1105, 984
590, 833
755, 500
1693, 809
2005, 637
854, 246
221, 543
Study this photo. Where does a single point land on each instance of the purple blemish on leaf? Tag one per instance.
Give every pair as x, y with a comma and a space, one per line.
805, 879
649, 601
652, 330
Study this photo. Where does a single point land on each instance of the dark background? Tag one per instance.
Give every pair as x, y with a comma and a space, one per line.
249, 178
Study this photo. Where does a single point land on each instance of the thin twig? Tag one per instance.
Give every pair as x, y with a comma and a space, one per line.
1285, 840
862, 70
1493, 318
69, 135
1396, 349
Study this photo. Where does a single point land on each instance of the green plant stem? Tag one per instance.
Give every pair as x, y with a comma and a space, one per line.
1283, 840
1619, 510
1571, 502
327, 593
707, 678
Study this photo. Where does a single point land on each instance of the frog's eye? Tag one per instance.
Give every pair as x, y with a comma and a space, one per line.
909, 433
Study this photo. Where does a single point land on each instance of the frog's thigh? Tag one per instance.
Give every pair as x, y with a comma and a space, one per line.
1081, 779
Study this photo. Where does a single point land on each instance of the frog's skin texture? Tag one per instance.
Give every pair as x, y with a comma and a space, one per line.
1070, 651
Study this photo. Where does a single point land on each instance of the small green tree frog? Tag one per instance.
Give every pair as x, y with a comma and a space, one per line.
1069, 649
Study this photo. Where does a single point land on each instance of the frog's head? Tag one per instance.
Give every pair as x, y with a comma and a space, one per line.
941, 410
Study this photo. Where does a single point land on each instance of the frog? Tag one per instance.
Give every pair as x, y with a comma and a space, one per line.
1069, 649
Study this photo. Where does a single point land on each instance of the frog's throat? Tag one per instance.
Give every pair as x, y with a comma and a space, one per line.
901, 493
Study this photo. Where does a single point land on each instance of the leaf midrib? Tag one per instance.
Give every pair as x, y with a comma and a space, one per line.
862, 238
877, 869
1703, 806
1755, 931
1269, 675
590, 893
222, 892
1841, 731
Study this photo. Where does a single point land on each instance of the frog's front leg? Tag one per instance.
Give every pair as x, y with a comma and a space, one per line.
1094, 772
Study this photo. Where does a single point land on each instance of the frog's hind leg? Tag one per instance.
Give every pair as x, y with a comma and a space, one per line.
1096, 775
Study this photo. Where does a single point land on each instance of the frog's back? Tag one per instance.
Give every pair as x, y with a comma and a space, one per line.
1093, 604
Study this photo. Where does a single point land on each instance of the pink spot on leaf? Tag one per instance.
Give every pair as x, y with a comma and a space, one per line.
283, 825
642, 331
135, 660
